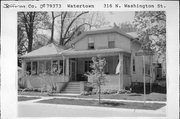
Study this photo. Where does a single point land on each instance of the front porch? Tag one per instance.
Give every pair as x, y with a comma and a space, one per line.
71, 65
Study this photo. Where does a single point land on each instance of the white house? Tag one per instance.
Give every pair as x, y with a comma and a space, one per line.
66, 66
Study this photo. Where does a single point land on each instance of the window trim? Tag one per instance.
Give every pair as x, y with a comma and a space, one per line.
91, 46
91, 43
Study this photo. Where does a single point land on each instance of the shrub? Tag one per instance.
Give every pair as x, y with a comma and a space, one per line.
124, 92
110, 91
97, 76
86, 93
88, 88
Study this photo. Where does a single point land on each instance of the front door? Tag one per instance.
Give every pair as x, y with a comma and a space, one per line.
72, 70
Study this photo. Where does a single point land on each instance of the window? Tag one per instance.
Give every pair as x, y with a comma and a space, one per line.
55, 66
41, 67
34, 68
111, 44
88, 66
28, 68
134, 68
60, 66
91, 43
48, 66
126, 65
106, 67
147, 69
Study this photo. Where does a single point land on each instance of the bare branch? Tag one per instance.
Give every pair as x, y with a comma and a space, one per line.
75, 32
73, 22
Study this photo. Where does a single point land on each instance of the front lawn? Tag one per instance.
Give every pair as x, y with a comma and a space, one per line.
23, 98
130, 105
132, 96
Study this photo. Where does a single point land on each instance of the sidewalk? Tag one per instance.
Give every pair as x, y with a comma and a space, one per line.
89, 110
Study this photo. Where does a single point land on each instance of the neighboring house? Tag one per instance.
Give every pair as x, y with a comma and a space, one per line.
69, 65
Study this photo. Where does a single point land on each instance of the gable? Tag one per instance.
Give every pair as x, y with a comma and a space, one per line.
106, 31
101, 41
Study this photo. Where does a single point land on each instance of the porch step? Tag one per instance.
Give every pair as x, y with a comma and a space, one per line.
73, 88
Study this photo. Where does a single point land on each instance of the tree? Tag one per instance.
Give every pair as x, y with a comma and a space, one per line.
69, 25
151, 28
127, 27
21, 41
30, 22
97, 75
52, 25
96, 19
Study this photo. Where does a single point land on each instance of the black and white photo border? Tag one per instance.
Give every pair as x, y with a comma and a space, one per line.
9, 46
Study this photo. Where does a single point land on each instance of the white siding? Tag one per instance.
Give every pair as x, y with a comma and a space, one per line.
101, 41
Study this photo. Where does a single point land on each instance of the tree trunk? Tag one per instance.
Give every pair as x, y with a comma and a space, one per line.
30, 38
29, 25
52, 28
52, 32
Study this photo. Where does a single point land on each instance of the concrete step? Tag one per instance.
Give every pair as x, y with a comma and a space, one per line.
72, 87
74, 84
70, 92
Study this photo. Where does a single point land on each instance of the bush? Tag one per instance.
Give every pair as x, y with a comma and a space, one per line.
88, 88
110, 91
124, 92
85, 93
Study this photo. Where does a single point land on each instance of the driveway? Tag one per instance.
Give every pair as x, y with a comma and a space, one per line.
33, 109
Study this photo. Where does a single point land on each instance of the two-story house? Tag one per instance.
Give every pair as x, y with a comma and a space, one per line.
63, 65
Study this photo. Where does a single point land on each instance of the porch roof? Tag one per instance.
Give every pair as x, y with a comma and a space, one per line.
48, 50
73, 52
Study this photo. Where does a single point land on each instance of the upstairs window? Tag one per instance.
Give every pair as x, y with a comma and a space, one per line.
111, 44
91, 43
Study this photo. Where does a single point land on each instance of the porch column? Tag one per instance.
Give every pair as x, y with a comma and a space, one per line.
121, 86
23, 68
37, 67
67, 66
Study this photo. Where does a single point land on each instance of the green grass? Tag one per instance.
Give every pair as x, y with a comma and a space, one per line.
132, 96
23, 98
130, 105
